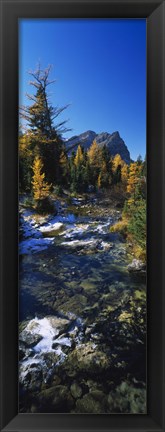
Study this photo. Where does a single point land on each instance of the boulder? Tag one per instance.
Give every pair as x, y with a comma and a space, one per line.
51, 229
137, 266
127, 398
88, 404
76, 390
29, 339
87, 358
30, 376
56, 399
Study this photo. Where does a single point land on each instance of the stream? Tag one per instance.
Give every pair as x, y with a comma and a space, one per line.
82, 337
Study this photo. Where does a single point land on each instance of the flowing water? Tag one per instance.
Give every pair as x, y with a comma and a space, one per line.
82, 317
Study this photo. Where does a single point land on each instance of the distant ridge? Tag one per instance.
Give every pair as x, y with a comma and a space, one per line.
113, 141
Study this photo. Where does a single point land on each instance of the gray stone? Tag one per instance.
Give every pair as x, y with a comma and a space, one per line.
29, 339
57, 397
137, 266
76, 390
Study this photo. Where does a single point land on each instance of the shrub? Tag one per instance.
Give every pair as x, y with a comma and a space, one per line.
28, 201
58, 190
139, 252
121, 227
45, 206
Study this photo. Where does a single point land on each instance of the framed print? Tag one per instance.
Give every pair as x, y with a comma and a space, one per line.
82, 215
82, 199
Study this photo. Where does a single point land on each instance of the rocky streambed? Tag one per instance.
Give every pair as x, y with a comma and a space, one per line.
82, 315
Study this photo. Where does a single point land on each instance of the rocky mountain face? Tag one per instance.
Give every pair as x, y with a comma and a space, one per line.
113, 141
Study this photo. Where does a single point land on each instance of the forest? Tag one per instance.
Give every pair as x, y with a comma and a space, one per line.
46, 170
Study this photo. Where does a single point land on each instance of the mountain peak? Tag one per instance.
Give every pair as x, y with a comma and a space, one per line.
116, 134
113, 141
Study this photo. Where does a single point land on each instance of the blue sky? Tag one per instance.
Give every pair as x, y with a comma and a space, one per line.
100, 70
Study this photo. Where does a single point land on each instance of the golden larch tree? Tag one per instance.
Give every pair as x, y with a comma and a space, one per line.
133, 177
95, 155
99, 181
25, 149
79, 156
124, 174
41, 188
116, 162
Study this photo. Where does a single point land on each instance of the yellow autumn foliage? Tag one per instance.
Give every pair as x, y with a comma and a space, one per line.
99, 181
41, 188
120, 226
133, 177
95, 155
24, 143
79, 156
124, 173
117, 161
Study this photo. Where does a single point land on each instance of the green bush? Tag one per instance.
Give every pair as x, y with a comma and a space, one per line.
28, 201
137, 223
58, 190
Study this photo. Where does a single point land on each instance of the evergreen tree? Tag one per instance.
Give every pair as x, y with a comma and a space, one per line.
65, 171
40, 117
25, 161
106, 167
137, 223
144, 168
117, 175
139, 160
87, 174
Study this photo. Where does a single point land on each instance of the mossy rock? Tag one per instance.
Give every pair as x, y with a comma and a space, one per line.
92, 385
56, 380
88, 286
98, 395
125, 316
56, 398
127, 399
89, 405
140, 295
87, 358
75, 304
109, 309
76, 390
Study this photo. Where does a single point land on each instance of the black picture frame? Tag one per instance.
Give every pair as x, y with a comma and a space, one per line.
154, 12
